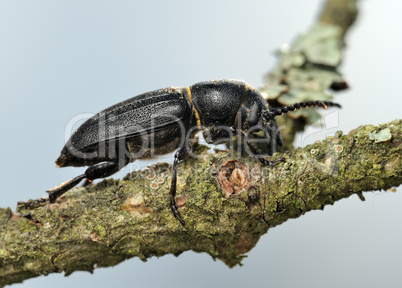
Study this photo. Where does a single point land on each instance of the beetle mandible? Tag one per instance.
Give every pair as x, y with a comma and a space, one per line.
164, 121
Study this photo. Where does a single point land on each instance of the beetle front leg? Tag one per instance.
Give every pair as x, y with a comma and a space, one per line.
254, 149
178, 156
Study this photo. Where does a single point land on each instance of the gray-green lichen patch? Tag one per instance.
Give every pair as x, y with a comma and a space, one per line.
307, 71
322, 45
381, 136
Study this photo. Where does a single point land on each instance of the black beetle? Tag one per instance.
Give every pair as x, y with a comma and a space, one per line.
165, 120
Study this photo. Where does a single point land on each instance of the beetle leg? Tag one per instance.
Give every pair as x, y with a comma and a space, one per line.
254, 149
32, 204
104, 169
53, 193
100, 170
178, 156
59, 190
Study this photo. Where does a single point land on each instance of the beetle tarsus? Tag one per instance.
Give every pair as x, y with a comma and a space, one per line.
32, 204
272, 164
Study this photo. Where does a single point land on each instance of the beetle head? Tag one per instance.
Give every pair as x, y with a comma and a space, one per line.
251, 119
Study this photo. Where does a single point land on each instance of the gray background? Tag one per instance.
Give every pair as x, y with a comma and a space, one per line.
59, 59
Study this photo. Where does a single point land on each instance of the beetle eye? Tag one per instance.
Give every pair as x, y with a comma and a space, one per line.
254, 115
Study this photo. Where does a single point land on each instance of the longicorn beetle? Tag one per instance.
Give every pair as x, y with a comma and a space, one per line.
162, 121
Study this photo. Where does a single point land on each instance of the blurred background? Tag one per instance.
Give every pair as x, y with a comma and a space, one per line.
65, 59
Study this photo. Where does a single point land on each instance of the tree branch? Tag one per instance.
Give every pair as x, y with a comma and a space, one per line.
119, 219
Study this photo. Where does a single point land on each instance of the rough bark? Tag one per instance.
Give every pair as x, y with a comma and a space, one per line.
228, 204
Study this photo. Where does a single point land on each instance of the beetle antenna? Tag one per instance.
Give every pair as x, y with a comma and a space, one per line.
269, 115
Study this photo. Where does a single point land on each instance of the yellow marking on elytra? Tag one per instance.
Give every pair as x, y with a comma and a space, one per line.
241, 103
197, 116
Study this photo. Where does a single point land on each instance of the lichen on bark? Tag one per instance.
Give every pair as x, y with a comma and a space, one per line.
114, 220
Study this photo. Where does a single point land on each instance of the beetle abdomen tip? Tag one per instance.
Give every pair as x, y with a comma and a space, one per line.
61, 160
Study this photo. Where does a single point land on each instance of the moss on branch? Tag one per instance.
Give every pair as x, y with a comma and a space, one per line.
228, 204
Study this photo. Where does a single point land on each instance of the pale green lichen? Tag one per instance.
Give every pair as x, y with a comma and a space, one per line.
381, 136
